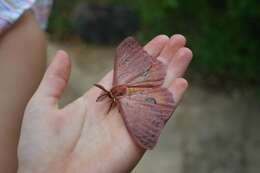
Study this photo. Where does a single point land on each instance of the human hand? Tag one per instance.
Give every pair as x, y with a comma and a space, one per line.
82, 137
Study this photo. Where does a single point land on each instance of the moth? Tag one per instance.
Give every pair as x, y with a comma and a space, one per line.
138, 93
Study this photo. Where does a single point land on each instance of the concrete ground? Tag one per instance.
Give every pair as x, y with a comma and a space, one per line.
212, 131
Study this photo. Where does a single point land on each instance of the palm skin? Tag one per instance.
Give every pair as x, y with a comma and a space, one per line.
83, 137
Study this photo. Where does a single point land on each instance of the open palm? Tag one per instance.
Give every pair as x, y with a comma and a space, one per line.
82, 137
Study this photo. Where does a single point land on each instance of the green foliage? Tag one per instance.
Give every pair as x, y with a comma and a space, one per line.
223, 34
60, 23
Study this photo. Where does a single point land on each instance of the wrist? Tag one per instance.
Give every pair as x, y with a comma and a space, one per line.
25, 170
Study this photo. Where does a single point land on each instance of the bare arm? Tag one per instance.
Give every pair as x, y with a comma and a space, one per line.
22, 63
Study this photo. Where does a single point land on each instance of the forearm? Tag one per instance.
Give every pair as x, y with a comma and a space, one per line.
22, 63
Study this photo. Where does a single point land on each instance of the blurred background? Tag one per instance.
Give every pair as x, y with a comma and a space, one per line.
216, 129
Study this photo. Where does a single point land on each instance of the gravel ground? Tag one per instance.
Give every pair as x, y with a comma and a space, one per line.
212, 131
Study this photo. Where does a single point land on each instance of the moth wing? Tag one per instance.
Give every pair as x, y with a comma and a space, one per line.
134, 66
145, 114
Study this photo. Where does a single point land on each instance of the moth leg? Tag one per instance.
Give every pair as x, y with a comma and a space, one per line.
102, 97
113, 103
108, 93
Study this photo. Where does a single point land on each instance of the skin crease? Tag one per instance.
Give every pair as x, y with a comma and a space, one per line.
82, 137
22, 65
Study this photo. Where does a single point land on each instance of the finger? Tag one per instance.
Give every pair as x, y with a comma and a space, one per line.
176, 41
178, 88
106, 82
178, 65
155, 46
54, 80
93, 93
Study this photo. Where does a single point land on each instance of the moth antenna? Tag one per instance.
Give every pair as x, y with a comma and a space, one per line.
102, 97
101, 87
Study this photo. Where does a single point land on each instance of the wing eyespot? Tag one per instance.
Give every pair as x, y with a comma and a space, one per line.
125, 60
151, 100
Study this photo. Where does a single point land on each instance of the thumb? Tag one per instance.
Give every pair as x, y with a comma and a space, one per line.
55, 80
